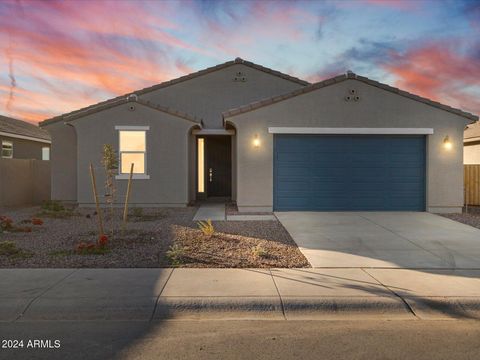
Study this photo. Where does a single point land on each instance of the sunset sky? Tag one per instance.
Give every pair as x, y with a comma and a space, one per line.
58, 56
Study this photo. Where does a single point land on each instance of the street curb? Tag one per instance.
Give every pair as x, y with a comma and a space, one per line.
231, 308
290, 308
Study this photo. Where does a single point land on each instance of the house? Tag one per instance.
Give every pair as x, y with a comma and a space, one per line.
268, 141
471, 145
22, 140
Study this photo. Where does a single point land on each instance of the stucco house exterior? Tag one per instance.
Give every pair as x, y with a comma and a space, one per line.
22, 140
471, 145
268, 141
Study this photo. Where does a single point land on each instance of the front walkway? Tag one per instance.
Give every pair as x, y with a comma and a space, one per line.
217, 212
150, 294
383, 239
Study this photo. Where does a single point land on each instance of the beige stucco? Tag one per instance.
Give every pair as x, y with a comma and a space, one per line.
171, 150
207, 96
326, 107
471, 153
166, 158
63, 158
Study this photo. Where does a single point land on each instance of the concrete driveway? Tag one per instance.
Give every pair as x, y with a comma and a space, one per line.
383, 239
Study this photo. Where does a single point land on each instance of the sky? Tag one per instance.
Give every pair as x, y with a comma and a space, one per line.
59, 56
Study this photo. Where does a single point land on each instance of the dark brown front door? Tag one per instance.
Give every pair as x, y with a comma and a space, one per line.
218, 165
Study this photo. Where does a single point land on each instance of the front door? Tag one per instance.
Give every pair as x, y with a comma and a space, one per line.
218, 165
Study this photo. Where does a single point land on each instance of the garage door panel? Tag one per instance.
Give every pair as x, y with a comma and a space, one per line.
318, 172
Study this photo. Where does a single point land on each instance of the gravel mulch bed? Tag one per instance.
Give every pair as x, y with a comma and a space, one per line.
472, 217
147, 240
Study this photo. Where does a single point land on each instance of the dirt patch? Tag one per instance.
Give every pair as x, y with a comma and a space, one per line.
260, 244
146, 242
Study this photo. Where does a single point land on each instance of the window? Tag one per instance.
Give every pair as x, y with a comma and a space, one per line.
45, 153
132, 151
7, 149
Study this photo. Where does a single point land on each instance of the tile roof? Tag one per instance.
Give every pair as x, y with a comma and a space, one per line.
18, 127
338, 79
125, 100
176, 81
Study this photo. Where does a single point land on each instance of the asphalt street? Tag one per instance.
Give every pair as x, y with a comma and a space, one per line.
447, 339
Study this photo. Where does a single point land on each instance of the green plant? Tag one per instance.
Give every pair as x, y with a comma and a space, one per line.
90, 249
137, 212
52, 205
8, 248
60, 253
175, 254
259, 251
110, 164
206, 227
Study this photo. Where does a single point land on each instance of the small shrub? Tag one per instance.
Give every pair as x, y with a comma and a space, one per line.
259, 251
137, 212
8, 248
37, 221
175, 254
53, 205
103, 241
60, 253
6, 224
90, 249
206, 227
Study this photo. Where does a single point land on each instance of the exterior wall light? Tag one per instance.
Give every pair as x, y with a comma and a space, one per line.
256, 141
447, 143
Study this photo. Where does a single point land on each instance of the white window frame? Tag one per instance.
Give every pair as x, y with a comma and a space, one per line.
10, 143
125, 176
47, 148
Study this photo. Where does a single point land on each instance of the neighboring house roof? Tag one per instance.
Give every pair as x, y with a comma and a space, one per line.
472, 133
173, 82
265, 102
21, 129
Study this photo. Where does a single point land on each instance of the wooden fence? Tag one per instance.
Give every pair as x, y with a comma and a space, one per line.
24, 182
471, 179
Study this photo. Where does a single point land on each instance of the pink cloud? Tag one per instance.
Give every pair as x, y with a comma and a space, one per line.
439, 71
72, 54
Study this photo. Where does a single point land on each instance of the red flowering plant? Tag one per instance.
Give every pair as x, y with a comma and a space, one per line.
93, 248
37, 221
6, 224
103, 241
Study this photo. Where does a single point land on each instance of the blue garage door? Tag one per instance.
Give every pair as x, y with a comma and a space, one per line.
349, 172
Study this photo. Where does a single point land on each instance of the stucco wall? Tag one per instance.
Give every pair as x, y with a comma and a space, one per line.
166, 159
326, 107
207, 96
25, 149
471, 153
63, 159
24, 182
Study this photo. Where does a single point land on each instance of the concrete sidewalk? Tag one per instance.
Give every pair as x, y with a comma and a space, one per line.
285, 294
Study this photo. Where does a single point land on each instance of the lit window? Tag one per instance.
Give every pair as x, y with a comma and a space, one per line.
201, 165
7, 149
132, 151
45, 153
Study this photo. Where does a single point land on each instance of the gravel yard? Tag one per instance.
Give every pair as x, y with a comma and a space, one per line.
155, 237
472, 217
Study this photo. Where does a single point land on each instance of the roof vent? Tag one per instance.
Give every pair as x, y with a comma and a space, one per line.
350, 74
132, 97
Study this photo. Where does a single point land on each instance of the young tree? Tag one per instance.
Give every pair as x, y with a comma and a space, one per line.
110, 164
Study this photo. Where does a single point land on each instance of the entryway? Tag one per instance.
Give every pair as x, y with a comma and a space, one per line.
214, 166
